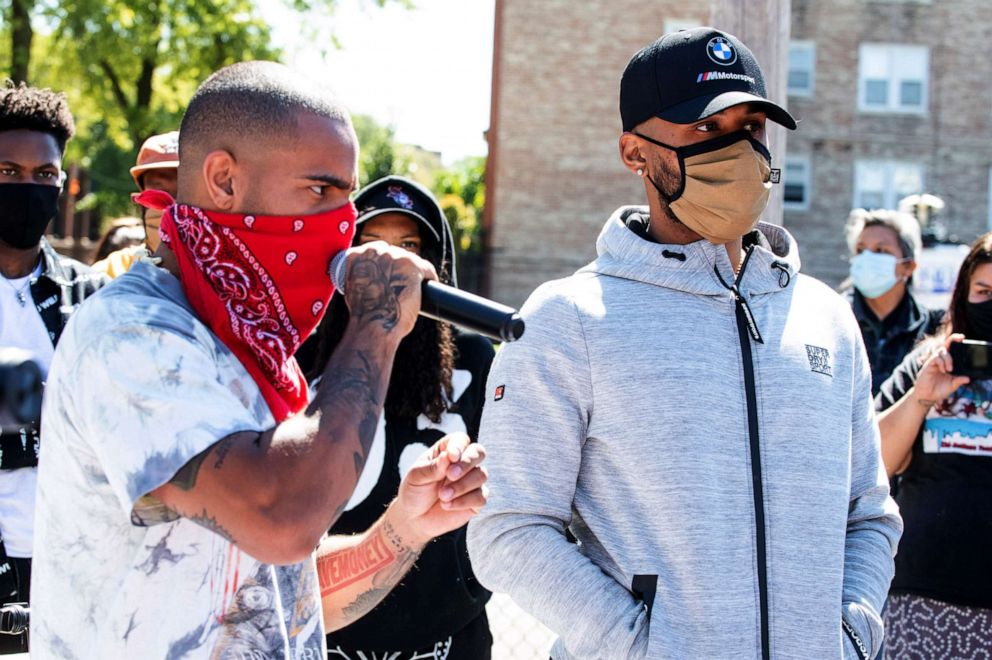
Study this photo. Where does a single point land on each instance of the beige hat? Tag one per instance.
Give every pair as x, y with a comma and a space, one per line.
158, 152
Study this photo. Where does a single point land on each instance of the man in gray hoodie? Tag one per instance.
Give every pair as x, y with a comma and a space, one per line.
696, 412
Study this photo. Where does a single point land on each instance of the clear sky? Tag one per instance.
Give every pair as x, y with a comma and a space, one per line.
424, 71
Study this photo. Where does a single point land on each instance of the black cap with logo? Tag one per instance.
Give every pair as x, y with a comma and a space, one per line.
689, 75
397, 194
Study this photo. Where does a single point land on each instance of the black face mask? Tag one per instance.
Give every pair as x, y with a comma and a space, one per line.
979, 317
25, 211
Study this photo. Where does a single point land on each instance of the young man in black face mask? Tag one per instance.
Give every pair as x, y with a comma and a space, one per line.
39, 290
696, 412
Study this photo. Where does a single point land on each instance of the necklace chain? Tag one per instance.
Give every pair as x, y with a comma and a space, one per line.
20, 292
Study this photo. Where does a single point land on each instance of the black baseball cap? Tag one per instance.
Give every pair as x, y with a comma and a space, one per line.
396, 194
689, 75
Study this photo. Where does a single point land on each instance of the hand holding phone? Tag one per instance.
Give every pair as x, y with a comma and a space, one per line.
972, 358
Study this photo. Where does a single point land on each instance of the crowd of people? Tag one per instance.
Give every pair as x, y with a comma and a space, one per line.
696, 450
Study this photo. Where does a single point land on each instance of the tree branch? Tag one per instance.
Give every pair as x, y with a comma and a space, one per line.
115, 85
144, 88
21, 34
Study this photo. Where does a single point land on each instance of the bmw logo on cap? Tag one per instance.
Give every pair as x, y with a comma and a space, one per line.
720, 51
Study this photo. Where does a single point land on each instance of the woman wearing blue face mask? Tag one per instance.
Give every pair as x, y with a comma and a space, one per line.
884, 245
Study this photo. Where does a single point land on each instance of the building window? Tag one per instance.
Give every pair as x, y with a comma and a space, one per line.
797, 183
880, 184
802, 68
893, 78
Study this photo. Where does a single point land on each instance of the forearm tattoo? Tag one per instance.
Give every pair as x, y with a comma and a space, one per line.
373, 292
355, 385
387, 574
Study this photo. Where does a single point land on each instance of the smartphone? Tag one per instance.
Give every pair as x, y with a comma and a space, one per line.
972, 358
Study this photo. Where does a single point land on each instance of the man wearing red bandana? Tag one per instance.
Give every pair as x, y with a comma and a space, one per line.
182, 494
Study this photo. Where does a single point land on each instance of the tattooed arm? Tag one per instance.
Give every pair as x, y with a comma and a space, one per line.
356, 572
275, 493
443, 490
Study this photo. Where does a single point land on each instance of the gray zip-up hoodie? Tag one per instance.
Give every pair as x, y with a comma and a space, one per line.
727, 494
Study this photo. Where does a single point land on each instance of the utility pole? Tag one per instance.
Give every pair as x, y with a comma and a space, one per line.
764, 25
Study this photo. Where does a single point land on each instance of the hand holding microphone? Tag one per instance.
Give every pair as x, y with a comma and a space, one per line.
446, 303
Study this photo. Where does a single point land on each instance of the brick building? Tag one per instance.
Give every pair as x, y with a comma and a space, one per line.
895, 97
894, 100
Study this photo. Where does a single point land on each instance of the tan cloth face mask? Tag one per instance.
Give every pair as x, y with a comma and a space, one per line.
725, 185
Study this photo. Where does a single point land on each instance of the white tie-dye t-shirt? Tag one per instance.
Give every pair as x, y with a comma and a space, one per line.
139, 386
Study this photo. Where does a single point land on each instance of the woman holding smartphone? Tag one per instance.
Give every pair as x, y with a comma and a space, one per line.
936, 432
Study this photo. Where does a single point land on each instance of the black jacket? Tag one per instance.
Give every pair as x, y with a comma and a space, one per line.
888, 341
61, 287
440, 595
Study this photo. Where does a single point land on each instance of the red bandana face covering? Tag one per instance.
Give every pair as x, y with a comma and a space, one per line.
259, 282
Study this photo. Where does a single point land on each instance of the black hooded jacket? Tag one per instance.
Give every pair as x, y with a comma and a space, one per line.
440, 595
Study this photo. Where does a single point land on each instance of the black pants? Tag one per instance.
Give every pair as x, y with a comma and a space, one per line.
18, 643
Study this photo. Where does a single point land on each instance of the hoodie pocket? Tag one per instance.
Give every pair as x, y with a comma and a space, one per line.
644, 588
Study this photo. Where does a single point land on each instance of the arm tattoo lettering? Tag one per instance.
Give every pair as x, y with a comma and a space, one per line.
337, 570
372, 292
223, 447
384, 579
210, 522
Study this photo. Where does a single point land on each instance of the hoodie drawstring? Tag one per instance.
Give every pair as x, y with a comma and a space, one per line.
752, 326
784, 277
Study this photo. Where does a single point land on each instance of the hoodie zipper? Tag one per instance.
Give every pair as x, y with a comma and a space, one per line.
747, 330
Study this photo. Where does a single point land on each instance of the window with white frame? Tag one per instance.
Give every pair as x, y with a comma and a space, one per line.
880, 184
893, 78
802, 68
796, 182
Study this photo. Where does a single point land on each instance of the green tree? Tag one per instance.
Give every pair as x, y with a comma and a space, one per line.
143, 59
461, 191
379, 155
19, 18
129, 68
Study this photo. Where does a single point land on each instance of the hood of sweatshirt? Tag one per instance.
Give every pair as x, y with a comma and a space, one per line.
771, 262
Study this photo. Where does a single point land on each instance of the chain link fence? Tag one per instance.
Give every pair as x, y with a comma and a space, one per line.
516, 634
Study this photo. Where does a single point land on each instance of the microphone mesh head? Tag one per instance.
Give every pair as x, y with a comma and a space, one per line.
338, 269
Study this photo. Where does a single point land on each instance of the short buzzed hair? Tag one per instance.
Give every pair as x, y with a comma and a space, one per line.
35, 109
255, 101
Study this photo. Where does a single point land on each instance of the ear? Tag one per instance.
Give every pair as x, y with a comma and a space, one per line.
907, 268
630, 153
219, 173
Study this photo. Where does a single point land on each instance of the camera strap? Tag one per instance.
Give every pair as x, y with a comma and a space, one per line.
8, 577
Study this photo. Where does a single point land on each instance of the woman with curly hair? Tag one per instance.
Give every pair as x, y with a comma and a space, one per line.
436, 387
936, 430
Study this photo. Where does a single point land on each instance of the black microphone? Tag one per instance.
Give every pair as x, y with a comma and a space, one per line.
446, 303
